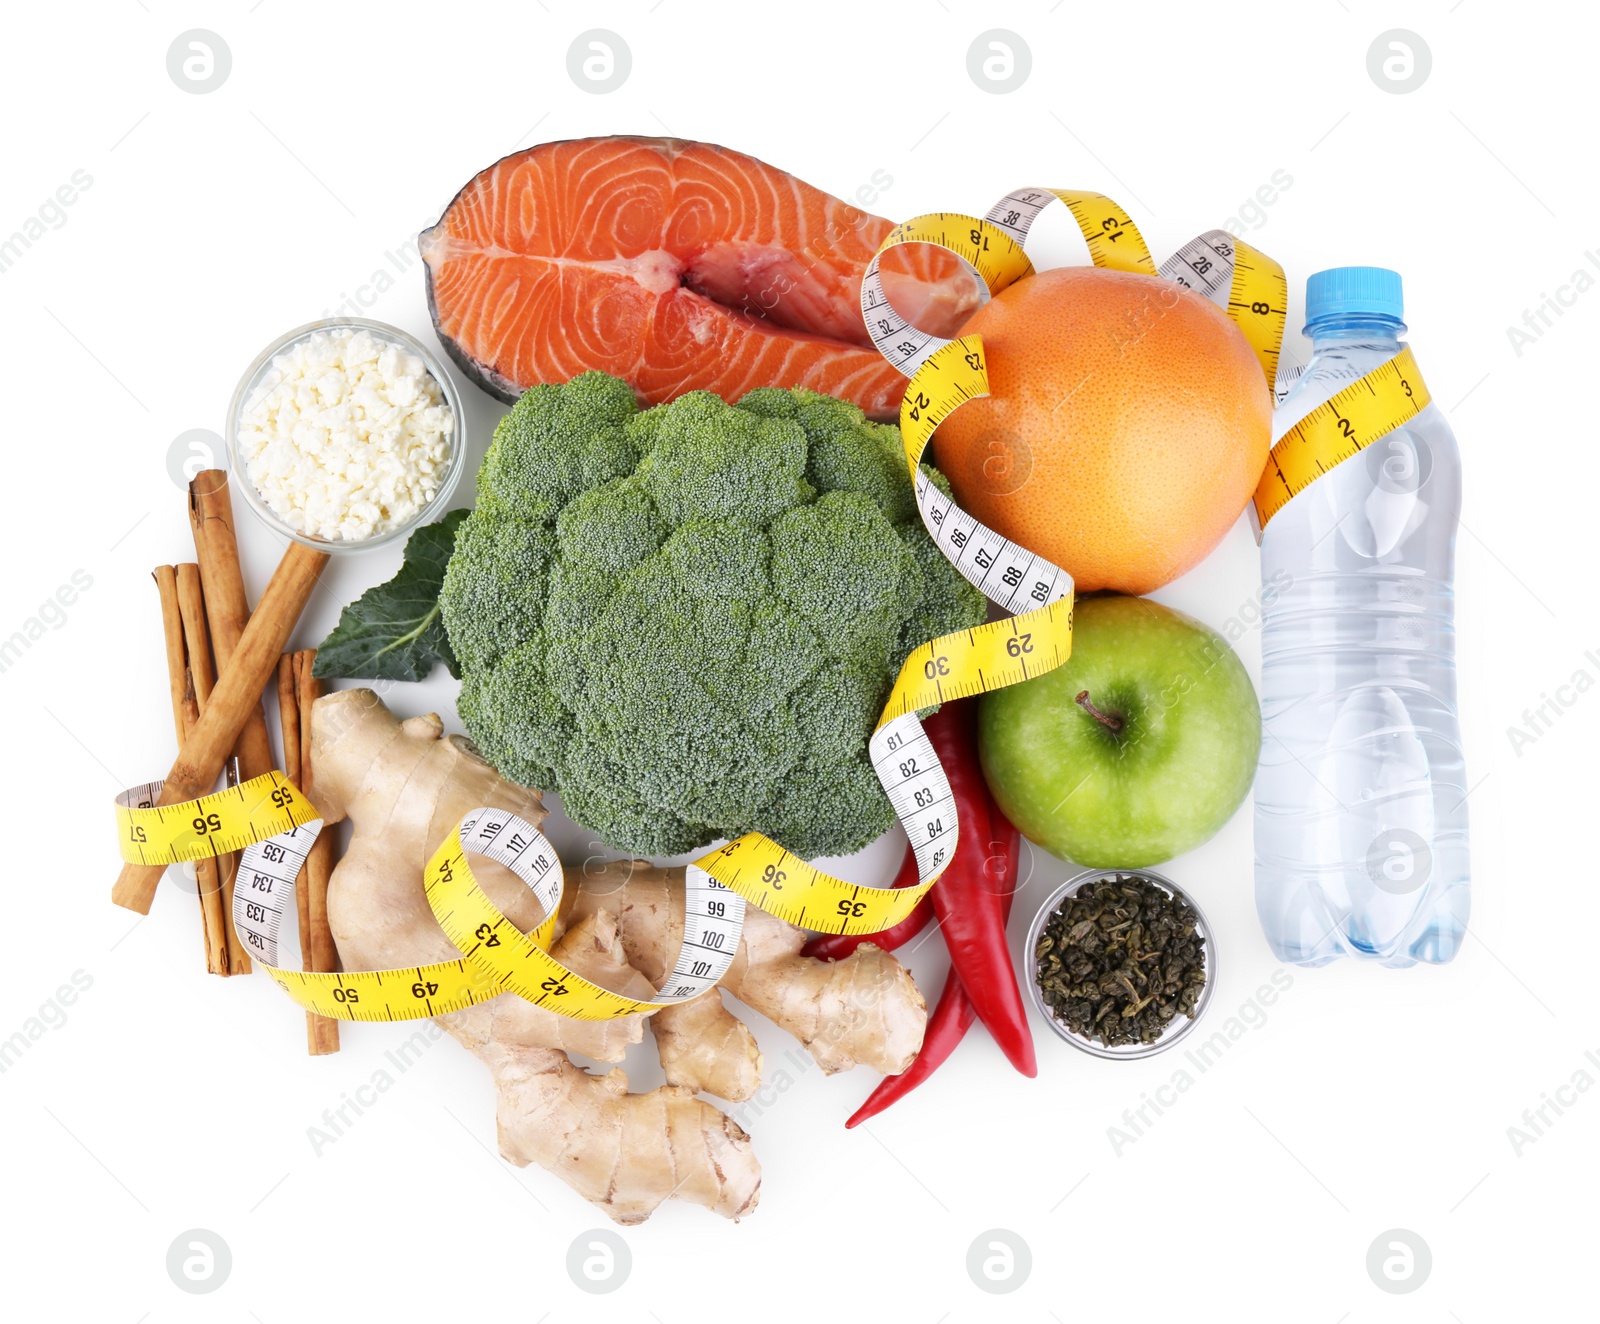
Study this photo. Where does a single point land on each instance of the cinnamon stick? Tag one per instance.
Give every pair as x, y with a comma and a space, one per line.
166, 578
191, 601
177, 624
227, 607
227, 613
319, 953
306, 690
192, 613
205, 749
311, 888
289, 728
238, 958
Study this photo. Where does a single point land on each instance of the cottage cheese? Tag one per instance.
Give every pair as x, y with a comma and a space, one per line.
347, 436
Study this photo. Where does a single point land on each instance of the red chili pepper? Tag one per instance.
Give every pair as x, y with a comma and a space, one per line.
951, 1019
971, 904
837, 946
953, 1015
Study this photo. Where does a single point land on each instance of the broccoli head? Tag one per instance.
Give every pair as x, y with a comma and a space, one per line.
685, 620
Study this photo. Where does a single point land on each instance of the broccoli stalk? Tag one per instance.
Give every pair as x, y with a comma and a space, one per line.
685, 620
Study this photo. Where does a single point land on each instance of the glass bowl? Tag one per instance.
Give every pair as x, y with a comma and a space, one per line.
262, 364
1180, 1026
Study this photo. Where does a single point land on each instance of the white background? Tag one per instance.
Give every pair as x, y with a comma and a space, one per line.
1361, 1100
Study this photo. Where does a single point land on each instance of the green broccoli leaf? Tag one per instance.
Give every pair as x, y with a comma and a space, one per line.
394, 631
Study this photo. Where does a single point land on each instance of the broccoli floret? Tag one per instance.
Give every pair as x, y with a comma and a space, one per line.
686, 620
708, 461
721, 558
556, 442
846, 570
499, 562
846, 453
515, 716
610, 528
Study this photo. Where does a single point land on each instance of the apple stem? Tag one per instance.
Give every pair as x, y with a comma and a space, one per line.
1105, 719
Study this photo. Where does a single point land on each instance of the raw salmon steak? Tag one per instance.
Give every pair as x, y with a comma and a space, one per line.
676, 266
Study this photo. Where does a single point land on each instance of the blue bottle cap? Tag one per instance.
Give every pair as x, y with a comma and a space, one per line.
1353, 291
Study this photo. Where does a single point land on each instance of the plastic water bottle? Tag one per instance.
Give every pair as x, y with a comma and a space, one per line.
1361, 813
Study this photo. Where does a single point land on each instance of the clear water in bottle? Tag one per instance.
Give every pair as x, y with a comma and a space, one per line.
1361, 813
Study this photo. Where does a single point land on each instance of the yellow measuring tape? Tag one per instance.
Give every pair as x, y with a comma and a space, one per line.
274, 824
1248, 285
1386, 398
216, 824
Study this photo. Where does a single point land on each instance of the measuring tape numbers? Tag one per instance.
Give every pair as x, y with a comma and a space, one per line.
1370, 408
216, 824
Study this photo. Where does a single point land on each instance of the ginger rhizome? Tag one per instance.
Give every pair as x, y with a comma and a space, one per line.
404, 785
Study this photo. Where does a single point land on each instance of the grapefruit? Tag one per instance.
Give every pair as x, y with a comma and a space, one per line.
1127, 424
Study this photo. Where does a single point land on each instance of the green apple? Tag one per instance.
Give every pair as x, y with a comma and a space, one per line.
1139, 748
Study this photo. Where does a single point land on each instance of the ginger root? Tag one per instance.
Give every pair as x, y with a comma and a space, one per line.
844, 1012
404, 785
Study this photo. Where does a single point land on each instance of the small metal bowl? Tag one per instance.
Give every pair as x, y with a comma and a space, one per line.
1180, 1027
382, 331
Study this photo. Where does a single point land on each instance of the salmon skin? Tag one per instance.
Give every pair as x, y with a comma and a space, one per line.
675, 265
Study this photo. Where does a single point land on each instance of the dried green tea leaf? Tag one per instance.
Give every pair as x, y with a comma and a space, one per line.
1120, 959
